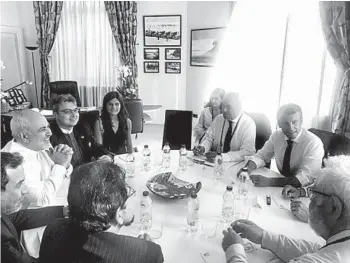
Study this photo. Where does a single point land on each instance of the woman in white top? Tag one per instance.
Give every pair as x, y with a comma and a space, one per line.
211, 110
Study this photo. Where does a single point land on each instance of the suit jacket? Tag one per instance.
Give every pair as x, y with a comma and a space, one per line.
85, 140
13, 224
64, 241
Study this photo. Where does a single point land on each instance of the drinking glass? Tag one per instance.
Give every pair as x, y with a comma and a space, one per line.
157, 229
208, 227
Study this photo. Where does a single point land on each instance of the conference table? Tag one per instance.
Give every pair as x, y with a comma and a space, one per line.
169, 215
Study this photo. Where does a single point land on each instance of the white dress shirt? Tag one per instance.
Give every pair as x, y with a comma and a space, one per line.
42, 176
306, 156
242, 142
65, 131
301, 251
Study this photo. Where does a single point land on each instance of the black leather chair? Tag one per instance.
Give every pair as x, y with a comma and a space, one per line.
263, 129
65, 87
135, 110
178, 129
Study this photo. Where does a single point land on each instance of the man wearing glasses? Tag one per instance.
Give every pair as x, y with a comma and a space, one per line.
329, 212
79, 137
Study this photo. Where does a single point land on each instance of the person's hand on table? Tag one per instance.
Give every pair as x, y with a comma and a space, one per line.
299, 210
230, 238
290, 192
198, 150
259, 180
210, 156
105, 158
248, 230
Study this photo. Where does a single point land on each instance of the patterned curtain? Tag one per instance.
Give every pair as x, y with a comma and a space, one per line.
122, 17
47, 18
335, 17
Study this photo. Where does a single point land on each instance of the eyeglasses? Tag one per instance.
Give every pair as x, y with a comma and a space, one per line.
70, 111
311, 193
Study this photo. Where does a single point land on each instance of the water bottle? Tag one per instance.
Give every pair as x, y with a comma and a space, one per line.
166, 156
218, 167
146, 211
130, 165
193, 214
228, 205
146, 152
183, 157
244, 182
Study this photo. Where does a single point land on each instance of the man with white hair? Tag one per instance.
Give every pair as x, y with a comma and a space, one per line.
329, 211
232, 133
44, 167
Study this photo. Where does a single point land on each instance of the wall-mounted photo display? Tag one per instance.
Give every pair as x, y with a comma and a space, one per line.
151, 53
205, 44
150, 67
162, 30
173, 53
173, 67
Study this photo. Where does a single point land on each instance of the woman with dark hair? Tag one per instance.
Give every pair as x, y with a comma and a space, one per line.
113, 128
211, 110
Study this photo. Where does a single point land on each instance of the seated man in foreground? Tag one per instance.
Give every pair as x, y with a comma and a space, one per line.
14, 220
97, 196
298, 152
231, 133
329, 211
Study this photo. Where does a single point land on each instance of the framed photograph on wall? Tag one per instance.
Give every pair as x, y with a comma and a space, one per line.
205, 44
173, 67
162, 30
150, 67
173, 54
151, 53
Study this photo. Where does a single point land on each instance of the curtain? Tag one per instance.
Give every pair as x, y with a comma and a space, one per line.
122, 17
335, 18
85, 51
47, 19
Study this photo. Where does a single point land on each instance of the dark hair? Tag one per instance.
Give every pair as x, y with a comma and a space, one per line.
122, 115
56, 101
96, 191
288, 109
8, 160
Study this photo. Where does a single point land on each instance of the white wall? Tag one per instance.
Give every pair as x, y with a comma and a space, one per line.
202, 14
169, 90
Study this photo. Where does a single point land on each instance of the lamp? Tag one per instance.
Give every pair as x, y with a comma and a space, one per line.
32, 49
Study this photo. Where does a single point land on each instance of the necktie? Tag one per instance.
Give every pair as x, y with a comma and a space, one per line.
228, 138
77, 157
286, 160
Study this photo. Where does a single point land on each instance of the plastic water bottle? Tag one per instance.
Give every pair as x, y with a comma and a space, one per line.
218, 167
130, 165
183, 157
146, 211
146, 152
166, 156
228, 205
193, 214
244, 182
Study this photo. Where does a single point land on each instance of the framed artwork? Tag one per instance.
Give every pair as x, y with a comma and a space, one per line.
173, 53
150, 67
173, 67
205, 44
151, 53
162, 30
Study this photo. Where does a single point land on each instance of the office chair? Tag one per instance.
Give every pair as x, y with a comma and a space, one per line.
65, 87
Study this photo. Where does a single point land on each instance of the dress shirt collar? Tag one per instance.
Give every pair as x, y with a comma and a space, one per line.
65, 131
236, 119
17, 147
297, 139
340, 235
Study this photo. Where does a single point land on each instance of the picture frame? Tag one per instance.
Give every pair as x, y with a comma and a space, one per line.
151, 67
151, 53
13, 93
173, 67
162, 30
172, 54
205, 44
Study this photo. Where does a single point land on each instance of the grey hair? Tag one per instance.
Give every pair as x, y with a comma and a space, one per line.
19, 123
288, 109
334, 179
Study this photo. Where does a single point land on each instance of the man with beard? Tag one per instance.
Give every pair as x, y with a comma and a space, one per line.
329, 212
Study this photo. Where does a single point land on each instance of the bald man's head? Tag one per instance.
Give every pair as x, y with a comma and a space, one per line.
31, 129
231, 105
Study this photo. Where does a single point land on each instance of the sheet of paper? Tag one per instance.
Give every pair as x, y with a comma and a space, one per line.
46, 112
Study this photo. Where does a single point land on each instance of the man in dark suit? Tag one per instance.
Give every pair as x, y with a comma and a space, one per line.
78, 136
97, 198
14, 220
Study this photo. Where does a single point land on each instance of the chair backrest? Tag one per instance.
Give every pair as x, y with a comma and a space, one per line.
334, 144
263, 129
177, 129
65, 87
135, 110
